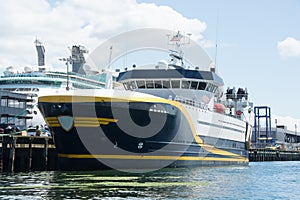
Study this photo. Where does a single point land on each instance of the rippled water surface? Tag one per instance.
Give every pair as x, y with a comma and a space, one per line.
264, 180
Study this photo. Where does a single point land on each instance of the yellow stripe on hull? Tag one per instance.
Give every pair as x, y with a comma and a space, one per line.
82, 121
140, 157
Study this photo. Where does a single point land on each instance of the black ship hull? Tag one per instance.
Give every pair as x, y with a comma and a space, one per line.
111, 133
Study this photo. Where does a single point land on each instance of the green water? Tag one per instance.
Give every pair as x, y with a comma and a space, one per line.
265, 180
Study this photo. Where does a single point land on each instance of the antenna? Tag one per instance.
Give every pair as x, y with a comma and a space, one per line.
217, 30
68, 61
109, 82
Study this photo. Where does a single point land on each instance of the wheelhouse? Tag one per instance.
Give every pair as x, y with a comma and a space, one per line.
170, 79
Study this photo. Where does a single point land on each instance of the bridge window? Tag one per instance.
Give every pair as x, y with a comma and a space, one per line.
129, 85
141, 84
185, 84
158, 84
214, 88
166, 84
149, 84
132, 85
208, 87
194, 85
126, 86
201, 86
211, 87
175, 83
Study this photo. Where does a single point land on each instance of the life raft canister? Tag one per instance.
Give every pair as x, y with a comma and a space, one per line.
239, 113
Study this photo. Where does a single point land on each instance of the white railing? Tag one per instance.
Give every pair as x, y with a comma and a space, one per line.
191, 102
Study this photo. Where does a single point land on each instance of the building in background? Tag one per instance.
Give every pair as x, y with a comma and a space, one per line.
14, 109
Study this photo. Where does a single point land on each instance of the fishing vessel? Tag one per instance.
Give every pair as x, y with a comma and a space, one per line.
166, 115
39, 80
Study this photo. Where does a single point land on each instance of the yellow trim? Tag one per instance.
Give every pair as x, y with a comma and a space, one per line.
63, 99
217, 151
77, 99
141, 157
82, 121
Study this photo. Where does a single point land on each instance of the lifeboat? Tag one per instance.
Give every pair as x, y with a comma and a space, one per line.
219, 108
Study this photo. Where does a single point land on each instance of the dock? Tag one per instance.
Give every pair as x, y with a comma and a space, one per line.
27, 153
262, 155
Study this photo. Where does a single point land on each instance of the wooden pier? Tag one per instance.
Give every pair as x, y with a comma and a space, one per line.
261, 155
27, 153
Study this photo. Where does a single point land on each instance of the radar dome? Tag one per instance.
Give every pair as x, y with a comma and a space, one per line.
162, 64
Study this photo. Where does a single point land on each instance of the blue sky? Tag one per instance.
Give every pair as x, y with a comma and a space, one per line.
258, 40
248, 33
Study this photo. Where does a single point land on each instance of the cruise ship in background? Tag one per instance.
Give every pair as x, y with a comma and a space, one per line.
40, 80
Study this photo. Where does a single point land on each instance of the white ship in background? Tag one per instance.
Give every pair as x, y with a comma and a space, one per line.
39, 80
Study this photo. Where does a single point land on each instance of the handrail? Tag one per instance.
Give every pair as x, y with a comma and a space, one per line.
191, 102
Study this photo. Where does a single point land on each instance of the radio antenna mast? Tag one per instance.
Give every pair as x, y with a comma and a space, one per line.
217, 30
109, 81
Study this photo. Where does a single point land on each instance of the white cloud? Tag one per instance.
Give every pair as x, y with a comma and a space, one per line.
85, 22
289, 47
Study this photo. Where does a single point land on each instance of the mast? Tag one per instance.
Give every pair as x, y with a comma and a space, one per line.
177, 54
68, 61
109, 81
214, 66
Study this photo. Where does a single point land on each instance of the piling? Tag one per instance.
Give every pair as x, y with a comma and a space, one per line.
27, 153
1, 155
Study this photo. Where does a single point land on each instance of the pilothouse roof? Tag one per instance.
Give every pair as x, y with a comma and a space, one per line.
170, 74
